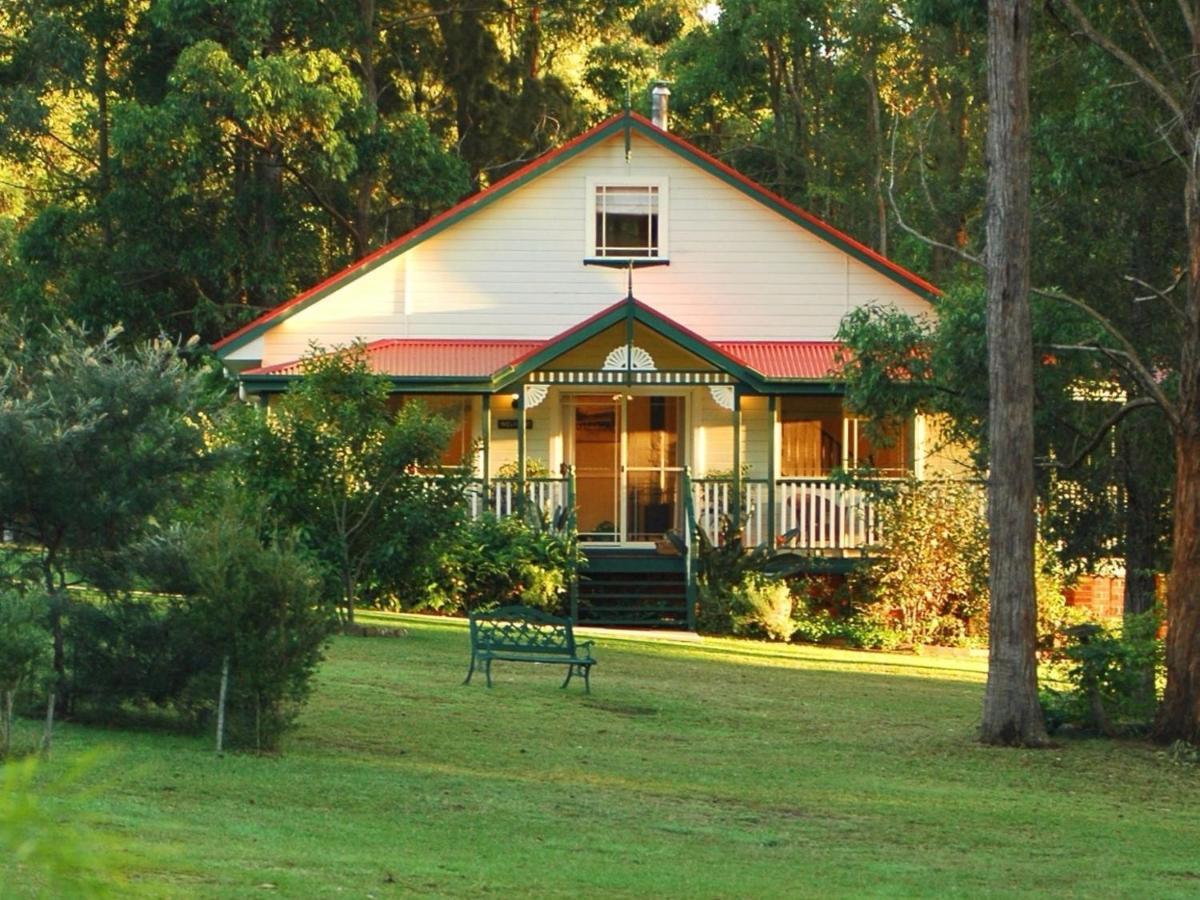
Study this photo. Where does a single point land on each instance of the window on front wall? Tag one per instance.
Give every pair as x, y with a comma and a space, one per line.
818, 437
810, 444
459, 410
627, 221
889, 454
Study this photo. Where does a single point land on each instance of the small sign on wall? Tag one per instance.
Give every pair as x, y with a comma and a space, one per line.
511, 424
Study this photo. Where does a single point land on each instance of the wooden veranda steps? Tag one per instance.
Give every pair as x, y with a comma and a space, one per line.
633, 588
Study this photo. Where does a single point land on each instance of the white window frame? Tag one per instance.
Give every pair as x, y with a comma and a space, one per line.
658, 181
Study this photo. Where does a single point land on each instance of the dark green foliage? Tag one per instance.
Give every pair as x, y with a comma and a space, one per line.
1111, 675
95, 440
500, 561
821, 615
25, 651
132, 653
734, 582
239, 598
361, 485
256, 604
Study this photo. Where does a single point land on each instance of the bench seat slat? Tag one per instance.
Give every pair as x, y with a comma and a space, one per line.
531, 657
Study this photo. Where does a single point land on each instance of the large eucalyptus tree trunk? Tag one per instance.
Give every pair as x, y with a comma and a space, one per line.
1179, 714
1011, 713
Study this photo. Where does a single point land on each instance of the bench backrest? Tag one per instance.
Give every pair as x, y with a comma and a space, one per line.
522, 629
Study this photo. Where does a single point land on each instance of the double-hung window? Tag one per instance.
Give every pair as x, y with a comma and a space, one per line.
627, 220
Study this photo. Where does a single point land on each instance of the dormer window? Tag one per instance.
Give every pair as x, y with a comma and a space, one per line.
627, 220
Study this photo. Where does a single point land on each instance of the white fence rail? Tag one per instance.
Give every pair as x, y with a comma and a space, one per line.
825, 515
713, 498
810, 514
546, 494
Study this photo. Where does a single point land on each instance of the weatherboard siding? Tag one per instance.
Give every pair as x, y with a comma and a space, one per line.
514, 269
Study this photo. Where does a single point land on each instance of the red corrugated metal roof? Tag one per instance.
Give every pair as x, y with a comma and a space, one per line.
416, 358
786, 359
429, 357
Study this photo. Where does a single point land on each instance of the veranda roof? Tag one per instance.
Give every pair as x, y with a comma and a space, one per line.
482, 358
817, 360
418, 358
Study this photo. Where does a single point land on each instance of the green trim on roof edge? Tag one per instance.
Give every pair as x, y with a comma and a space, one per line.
425, 384
664, 141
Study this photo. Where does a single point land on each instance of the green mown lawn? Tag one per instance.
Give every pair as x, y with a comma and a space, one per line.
724, 769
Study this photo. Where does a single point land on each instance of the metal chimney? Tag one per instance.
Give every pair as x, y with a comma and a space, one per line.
660, 98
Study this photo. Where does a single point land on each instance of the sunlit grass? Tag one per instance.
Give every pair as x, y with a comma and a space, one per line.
721, 768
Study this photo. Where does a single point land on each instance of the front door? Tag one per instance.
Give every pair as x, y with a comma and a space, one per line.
596, 429
628, 455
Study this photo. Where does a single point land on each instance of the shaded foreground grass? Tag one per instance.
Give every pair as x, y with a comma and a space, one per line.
724, 769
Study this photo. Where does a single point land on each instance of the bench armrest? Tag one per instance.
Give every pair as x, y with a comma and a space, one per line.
584, 645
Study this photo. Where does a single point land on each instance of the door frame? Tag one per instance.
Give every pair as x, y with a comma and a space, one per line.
621, 395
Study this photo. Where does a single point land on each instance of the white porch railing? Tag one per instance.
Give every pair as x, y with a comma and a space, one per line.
550, 495
712, 498
825, 515
810, 513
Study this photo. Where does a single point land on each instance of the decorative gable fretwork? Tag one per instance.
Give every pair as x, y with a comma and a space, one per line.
628, 356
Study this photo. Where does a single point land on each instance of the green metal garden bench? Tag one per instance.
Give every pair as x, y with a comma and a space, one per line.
523, 634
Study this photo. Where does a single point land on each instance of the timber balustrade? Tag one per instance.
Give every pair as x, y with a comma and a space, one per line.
552, 496
809, 513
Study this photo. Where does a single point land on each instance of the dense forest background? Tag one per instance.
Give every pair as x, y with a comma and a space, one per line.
181, 165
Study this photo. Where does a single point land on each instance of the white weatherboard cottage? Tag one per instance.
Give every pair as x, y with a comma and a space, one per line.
664, 328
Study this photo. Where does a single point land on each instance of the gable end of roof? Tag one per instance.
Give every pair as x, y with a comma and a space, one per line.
551, 160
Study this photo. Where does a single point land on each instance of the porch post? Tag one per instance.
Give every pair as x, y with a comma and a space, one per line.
485, 426
772, 524
521, 446
736, 499
572, 527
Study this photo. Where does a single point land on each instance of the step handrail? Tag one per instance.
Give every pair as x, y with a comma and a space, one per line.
689, 560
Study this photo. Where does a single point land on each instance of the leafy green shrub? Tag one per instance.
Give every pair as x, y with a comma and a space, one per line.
815, 622
869, 634
763, 606
497, 560
24, 652
1111, 674
257, 610
1054, 616
814, 626
128, 652
929, 580
240, 610
732, 582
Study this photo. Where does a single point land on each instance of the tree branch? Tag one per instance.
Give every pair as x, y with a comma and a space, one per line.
1137, 368
1094, 441
957, 251
1105, 43
1163, 294
1152, 38
1188, 19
